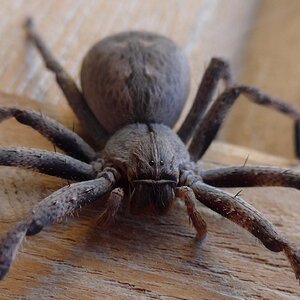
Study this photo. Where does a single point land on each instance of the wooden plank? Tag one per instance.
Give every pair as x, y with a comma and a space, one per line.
141, 258
137, 258
269, 63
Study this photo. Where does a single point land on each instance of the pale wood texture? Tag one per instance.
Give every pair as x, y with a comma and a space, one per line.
142, 258
137, 258
270, 63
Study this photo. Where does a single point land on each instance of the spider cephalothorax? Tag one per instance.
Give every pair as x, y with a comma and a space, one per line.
150, 156
134, 86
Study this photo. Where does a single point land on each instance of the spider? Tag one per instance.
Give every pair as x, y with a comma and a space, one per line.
134, 86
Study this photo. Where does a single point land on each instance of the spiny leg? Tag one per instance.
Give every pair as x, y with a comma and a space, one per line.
69, 88
50, 163
112, 206
211, 122
247, 176
187, 195
217, 70
52, 209
59, 135
240, 212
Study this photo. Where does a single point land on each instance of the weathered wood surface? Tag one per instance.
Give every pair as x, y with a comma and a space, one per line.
271, 63
142, 258
136, 258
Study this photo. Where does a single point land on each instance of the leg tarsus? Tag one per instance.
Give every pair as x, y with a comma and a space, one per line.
52, 209
9, 245
243, 214
69, 88
51, 63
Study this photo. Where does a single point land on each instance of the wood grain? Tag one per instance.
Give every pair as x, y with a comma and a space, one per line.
204, 28
270, 62
137, 258
141, 258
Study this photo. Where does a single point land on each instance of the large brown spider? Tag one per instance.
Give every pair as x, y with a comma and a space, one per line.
134, 86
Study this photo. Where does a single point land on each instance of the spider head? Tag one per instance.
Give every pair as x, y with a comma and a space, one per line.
153, 186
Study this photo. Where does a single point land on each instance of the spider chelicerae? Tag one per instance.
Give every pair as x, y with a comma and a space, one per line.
134, 86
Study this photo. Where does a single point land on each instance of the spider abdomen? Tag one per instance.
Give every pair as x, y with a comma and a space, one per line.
135, 77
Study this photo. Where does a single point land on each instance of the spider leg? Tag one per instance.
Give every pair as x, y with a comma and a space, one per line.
217, 70
247, 176
69, 87
240, 212
214, 117
60, 136
50, 163
52, 209
112, 206
187, 195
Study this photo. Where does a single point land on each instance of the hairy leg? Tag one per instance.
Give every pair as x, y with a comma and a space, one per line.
213, 119
69, 88
187, 195
247, 176
218, 69
60, 136
240, 212
112, 206
46, 162
52, 209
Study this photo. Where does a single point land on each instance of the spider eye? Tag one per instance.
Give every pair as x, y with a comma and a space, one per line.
161, 162
151, 162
